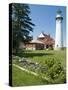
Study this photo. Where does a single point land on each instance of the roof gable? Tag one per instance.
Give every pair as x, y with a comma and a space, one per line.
42, 35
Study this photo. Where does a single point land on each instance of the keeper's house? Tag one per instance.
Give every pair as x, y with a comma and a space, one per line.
34, 45
43, 41
47, 40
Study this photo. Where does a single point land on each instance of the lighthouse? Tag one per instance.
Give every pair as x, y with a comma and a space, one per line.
59, 31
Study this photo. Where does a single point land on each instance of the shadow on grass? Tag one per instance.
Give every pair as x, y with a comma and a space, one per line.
32, 54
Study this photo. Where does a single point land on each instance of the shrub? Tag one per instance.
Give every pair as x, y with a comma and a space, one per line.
50, 62
56, 73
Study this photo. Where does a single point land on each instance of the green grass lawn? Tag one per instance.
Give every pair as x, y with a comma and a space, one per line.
44, 58
42, 55
21, 78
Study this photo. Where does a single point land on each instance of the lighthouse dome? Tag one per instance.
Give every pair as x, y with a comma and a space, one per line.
58, 16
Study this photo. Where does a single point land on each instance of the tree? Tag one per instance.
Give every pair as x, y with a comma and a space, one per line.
21, 24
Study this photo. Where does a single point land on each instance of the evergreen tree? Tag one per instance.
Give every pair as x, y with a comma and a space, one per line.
21, 24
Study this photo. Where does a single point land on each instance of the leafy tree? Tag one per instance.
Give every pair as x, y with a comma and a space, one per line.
21, 24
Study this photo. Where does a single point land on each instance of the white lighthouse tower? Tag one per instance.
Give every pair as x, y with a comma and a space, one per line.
59, 31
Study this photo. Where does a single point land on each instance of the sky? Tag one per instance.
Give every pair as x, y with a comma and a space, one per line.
43, 16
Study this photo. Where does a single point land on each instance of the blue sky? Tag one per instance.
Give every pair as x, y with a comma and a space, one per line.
43, 16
